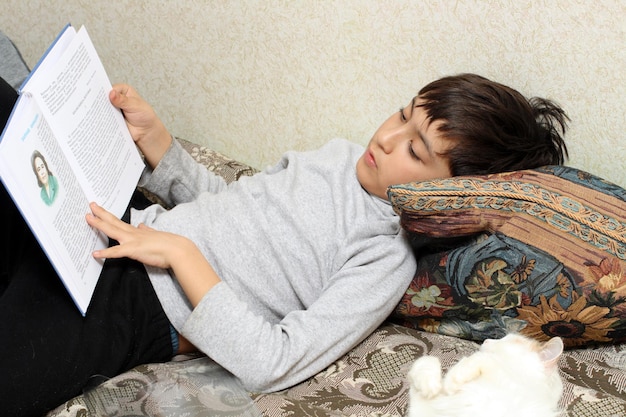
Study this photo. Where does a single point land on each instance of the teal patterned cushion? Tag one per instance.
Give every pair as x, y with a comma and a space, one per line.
543, 253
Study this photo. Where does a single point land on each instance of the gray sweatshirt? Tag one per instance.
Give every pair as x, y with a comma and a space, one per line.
310, 262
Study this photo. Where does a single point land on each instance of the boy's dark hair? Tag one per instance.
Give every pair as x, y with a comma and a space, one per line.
494, 128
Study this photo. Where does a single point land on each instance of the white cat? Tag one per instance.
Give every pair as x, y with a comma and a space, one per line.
509, 377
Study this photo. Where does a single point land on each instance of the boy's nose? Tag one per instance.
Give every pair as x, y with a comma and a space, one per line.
389, 139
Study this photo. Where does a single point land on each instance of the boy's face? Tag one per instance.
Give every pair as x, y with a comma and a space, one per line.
405, 148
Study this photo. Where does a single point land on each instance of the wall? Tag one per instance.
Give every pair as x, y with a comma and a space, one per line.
255, 78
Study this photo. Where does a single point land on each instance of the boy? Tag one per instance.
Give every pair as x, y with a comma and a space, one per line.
274, 276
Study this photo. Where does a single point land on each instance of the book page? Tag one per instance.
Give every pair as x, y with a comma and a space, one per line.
47, 192
64, 146
73, 95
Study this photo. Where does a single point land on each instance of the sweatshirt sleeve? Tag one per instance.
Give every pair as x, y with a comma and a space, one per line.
178, 178
273, 356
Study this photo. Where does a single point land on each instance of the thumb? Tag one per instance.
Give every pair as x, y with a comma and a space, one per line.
117, 99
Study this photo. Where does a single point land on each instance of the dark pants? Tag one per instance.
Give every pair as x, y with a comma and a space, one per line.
49, 352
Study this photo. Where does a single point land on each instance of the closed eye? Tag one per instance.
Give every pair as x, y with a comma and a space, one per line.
402, 116
412, 152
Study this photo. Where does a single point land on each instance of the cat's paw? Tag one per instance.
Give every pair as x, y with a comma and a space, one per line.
425, 376
466, 370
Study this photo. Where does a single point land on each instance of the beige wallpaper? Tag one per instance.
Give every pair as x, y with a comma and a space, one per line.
255, 78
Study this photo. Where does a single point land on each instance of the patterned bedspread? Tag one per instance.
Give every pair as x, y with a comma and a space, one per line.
368, 381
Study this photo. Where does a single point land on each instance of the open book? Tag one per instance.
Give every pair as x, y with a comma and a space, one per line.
64, 146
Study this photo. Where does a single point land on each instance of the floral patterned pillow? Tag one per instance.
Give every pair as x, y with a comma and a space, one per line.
542, 252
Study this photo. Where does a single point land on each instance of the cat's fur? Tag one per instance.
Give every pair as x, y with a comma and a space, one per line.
510, 377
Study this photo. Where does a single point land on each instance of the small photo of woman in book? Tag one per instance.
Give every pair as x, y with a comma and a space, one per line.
46, 181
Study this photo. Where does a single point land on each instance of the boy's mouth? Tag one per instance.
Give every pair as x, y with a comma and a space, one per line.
370, 161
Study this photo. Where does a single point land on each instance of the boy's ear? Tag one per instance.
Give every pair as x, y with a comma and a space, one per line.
551, 351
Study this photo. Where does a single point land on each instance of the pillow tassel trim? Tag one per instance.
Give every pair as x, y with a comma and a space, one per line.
562, 212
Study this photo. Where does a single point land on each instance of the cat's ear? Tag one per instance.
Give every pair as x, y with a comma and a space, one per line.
551, 351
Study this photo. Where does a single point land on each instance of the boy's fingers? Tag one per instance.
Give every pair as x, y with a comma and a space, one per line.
122, 96
99, 224
110, 252
118, 99
121, 89
106, 222
99, 211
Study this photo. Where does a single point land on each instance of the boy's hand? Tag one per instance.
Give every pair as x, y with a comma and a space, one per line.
144, 125
144, 244
161, 249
